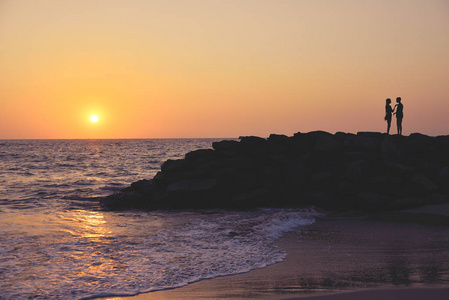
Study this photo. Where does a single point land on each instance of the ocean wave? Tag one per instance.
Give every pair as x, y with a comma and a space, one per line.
128, 253
51, 224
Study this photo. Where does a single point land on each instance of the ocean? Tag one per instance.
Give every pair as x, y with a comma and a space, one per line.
57, 243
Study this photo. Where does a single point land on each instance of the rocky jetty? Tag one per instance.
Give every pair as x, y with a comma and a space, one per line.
367, 171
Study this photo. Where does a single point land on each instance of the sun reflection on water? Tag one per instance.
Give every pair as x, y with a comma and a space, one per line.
90, 224
93, 253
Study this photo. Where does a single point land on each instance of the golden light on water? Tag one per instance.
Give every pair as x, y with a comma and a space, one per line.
91, 224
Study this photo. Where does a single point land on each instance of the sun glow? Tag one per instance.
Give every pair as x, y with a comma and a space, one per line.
94, 118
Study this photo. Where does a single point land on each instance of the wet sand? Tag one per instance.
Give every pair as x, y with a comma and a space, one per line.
367, 258
386, 294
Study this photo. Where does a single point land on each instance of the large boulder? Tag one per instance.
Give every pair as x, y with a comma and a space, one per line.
372, 201
252, 198
319, 198
328, 143
362, 143
357, 171
171, 165
386, 184
200, 154
281, 139
406, 202
252, 145
422, 184
369, 171
229, 148
188, 187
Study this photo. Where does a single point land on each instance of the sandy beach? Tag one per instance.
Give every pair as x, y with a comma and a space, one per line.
342, 258
385, 294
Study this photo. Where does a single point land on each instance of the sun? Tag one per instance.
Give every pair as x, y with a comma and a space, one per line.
94, 118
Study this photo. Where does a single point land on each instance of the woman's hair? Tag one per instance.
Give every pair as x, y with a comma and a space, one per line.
388, 101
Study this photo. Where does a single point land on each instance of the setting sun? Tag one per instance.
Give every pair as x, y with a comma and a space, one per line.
146, 70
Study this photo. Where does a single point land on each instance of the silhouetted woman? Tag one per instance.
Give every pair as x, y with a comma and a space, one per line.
388, 114
399, 114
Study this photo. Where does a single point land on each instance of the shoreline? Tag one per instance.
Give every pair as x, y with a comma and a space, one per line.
411, 293
353, 256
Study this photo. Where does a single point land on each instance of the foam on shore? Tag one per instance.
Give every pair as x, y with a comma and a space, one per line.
340, 255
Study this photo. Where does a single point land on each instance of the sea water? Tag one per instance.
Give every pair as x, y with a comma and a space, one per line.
57, 243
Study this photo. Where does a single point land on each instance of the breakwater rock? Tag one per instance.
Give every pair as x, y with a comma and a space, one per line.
367, 171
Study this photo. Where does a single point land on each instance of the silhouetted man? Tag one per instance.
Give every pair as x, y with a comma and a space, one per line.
399, 114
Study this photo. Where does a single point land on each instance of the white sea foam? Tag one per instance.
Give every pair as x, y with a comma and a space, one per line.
87, 253
56, 244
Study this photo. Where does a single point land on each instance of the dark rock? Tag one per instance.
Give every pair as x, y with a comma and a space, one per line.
390, 149
319, 198
341, 136
369, 171
405, 172
362, 142
419, 143
424, 183
206, 167
250, 199
437, 154
322, 180
174, 165
444, 172
385, 184
143, 186
318, 133
226, 147
190, 186
421, 138
302, 143
163, 179
253, 141
313, 136
427, 166
407, 202
375, 135
327, 143
126, 200
371, 201
201, 153
443, 141
294, 176
436, 199
225, 173
252, 145
385, 179
443, 179
348, 188
357, 171
279, 139
365, 156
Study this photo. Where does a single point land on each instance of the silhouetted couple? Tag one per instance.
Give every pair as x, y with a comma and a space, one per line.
399, 114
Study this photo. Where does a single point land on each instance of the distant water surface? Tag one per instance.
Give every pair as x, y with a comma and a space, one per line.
56, 242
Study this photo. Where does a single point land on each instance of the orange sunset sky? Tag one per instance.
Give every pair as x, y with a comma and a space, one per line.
206, 68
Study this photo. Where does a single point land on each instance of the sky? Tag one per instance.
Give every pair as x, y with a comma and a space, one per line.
209, 68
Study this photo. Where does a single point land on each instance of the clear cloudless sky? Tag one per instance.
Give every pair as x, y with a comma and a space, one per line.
209, 68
